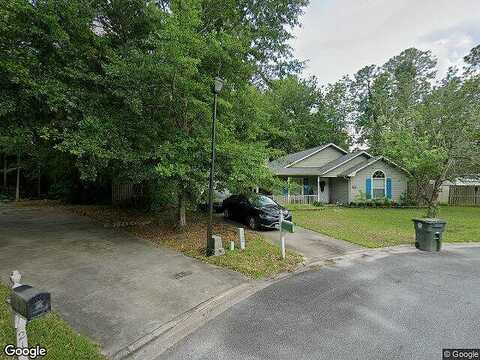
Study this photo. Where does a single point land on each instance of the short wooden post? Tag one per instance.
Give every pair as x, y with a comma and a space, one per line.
282, 236
241, 237
19, 321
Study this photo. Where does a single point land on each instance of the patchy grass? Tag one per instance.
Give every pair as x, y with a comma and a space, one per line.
50, 332
259, 259
387, 227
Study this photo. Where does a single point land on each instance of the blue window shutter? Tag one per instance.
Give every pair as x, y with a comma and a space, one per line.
389, 188
368, 188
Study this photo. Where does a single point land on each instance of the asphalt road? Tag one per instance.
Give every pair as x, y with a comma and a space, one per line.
402, 306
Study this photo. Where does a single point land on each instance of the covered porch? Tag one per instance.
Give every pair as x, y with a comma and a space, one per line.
305, 190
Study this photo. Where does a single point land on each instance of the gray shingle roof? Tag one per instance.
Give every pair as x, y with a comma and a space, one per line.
360, 165
283, 161
278, 166
341, 160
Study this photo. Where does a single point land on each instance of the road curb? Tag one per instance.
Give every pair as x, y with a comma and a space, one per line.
377, 253
153, 344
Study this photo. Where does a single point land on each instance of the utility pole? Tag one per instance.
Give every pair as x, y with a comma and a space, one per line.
210, 241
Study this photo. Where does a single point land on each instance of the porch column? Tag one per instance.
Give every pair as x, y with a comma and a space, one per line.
288, 189
318, 188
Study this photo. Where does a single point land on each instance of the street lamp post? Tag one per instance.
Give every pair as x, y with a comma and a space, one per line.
210, 241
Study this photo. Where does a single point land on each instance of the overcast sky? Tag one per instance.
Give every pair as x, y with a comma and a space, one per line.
339, 37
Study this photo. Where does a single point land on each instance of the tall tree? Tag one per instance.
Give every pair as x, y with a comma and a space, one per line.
473, 61
440, 139
392, 91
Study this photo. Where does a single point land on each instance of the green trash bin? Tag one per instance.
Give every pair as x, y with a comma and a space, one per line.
428, 234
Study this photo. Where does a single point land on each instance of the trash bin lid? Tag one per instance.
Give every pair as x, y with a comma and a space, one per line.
430, 221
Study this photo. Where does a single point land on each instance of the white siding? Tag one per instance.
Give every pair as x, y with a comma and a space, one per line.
399, 180
321, 158
444, 194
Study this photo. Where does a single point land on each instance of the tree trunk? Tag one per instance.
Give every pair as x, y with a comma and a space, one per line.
39, 183
5, 171
17, 190
182, 219
432, 211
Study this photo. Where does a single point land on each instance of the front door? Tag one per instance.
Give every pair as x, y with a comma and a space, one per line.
324, 190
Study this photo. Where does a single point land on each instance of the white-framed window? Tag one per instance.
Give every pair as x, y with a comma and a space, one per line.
378, 184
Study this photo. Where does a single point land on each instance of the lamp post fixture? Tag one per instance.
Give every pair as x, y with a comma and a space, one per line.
217, 88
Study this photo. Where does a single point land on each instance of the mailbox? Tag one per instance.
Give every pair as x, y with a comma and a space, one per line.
30, 302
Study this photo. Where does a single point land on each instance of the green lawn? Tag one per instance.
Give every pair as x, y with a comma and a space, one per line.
386, 227
50, 332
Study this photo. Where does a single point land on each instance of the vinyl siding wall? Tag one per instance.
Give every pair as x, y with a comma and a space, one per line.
321, 158
339, 190
399, 180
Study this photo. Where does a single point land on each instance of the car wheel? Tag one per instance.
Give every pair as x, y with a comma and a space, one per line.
226, 214
252, 223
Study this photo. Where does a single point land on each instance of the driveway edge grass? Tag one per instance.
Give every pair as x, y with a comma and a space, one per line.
260, 259
50, 332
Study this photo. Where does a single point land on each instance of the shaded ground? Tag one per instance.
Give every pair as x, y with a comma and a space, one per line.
106, 283
386, 227
403, 306
260, 259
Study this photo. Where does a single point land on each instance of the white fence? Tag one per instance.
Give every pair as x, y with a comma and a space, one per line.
295, 199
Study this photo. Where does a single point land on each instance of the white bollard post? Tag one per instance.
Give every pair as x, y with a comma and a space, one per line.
241, 236
19, 321
232, 245
282, 236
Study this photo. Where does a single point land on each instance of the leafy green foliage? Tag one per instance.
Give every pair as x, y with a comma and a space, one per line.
122, 89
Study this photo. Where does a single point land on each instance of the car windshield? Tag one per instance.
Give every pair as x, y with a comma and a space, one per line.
261, 200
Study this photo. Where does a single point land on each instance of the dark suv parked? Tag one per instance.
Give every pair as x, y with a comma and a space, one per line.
257, 211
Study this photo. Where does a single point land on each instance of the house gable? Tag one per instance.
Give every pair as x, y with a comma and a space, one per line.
397, 175
319, 158
353, 160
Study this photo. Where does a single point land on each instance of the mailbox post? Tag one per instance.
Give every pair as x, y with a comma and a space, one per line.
19, 321
285, 226
27, 303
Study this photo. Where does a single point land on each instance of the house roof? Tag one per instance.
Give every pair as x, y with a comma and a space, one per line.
467, 180
319, 170
354, 169
282, 166
332, 165
291, 159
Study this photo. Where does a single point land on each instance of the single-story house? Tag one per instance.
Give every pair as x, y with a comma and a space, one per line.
330, 174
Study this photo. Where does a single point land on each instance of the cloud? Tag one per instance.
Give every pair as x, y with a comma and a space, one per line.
340, 37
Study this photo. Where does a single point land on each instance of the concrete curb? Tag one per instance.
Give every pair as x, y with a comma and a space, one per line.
161, 339
155, 343
376, 253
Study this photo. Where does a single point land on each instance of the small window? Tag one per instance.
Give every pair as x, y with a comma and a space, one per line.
378, 188
379, 175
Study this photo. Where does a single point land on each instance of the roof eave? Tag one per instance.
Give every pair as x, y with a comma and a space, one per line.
316, 152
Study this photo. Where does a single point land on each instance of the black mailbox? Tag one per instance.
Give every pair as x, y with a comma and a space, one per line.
30, 302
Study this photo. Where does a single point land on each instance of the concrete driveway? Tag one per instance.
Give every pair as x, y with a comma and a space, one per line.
109, 285
312, 245
390, 306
